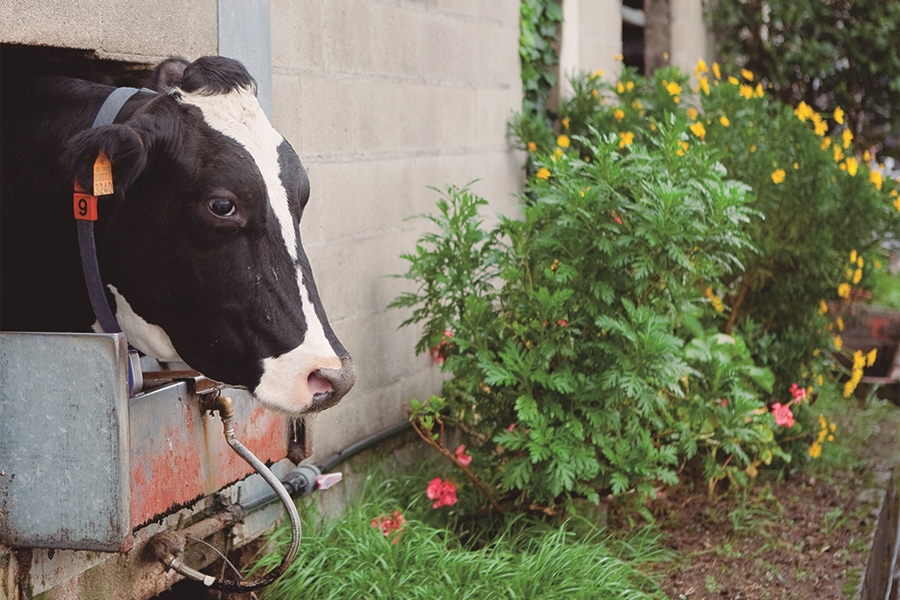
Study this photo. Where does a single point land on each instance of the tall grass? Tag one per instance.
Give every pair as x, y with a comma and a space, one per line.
503, 557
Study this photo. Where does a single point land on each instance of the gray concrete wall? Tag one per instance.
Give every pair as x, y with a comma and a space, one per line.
382, 99
117, 29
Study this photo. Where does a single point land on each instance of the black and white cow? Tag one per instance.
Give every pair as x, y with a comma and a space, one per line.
199, 246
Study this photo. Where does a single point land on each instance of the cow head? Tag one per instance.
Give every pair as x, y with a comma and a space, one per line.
200, 244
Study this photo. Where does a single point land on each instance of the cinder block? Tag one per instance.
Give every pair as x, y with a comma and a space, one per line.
297, 34
179, 27
63, 23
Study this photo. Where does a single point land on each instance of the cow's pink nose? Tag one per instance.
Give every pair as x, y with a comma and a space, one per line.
330, 385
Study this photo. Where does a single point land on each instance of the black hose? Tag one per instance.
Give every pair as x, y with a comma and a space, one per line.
301, 481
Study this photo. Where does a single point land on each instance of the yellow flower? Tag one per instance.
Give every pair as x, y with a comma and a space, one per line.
838, 154
804, 111
897, 204
724, 121
619, 114
747, 74
746, 91
543, 173
637, 105
565, 122
692, 113
840, 323
823, 307
597, 73
871, 356
846, 137
839, 115
838, 342
704, 85
714, 300
876, 178
595, 93
618, 57
825, 143
867, 157
843, 290
820, 379
620, 88
759, 90
852, 166
778, 176
532, 146
673, 88
625, 139
699, 130
819, 124
833, 427
701, 66
629, 86
752, 148
815, 450
562, 141
796, 166
716, 71
857, 276
860, 262
733, 80
853, 256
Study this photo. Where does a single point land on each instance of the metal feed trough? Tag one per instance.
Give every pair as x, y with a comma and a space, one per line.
85, 467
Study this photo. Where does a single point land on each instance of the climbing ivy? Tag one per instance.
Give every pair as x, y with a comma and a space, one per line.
539, 31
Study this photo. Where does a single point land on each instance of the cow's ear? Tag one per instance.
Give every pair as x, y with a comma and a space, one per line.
125, 147
168, 74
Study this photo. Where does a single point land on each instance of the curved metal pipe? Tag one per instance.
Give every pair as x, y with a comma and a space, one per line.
168, 550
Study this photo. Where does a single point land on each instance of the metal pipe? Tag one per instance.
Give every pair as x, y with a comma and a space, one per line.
169, 548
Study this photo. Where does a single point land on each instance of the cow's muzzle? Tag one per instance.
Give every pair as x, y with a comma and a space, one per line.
330, 385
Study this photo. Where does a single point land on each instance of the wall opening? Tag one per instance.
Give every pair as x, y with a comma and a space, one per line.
21, 61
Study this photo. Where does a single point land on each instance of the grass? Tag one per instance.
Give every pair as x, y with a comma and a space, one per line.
502, 557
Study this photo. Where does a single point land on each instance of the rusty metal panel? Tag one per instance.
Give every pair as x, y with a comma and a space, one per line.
179, 454
64, 458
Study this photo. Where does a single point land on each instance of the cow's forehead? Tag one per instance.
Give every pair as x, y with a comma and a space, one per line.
238, 115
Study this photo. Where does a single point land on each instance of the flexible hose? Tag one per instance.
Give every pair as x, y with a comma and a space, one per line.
170, 557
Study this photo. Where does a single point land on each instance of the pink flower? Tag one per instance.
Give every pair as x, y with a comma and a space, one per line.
437, 352
798, 392
562, 323
783, 415
390, 525
511, 427
463, 458
442, 492
723, 402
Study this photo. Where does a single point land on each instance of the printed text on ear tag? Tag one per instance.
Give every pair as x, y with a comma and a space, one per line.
103, 182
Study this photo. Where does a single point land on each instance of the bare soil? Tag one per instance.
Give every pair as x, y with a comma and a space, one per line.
804, 536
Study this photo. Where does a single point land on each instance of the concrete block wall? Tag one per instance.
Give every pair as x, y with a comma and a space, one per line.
116, 29
382, 99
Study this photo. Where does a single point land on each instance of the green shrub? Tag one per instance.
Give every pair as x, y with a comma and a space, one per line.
647, 313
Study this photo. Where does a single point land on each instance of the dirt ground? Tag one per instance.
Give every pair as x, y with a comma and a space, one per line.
804, 537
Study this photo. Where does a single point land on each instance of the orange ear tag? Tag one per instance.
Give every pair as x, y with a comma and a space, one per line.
103, 182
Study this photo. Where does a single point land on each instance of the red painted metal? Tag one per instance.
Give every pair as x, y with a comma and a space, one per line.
179, 455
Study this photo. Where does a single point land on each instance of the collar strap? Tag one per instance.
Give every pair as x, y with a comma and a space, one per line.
85, 206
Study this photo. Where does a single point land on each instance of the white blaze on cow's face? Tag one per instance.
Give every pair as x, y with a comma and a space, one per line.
297, 380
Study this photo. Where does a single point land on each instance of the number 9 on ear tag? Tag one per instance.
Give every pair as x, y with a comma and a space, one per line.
103, 181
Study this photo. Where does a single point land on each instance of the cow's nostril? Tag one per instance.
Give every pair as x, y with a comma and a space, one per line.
339, 380
319, 384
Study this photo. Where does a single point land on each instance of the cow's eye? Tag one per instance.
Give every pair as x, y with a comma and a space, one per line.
221, 207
